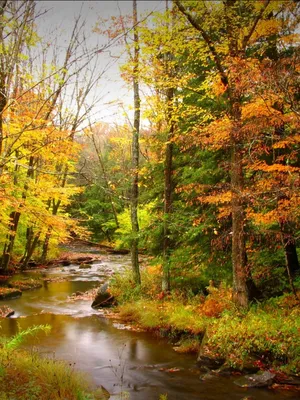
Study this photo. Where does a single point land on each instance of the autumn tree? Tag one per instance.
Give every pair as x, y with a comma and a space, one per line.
232, 31
16, 30
135, 150
271, 119
30, 136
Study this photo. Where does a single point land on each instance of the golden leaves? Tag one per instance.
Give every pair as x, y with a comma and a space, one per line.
217, 198
266, 28
276, 167
218, 87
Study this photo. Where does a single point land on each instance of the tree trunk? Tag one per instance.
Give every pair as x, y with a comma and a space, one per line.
166, 285
9, 246
135, 156
3, 89
244, 288
14, 222
46, 246
239, 258
2, 107
31, 244
49, 231
168, 190
290, 251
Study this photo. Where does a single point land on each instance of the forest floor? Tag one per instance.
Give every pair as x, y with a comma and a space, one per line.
265, 337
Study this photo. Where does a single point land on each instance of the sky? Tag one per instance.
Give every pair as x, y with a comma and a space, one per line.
60, 16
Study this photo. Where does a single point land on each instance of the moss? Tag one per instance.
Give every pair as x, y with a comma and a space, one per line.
9, 293
188, 345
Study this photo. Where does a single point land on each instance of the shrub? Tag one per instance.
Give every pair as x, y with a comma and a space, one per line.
270, 337
217, 301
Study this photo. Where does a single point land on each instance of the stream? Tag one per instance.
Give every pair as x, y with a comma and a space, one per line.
119, 359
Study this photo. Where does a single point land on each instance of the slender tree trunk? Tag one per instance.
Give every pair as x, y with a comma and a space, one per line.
3, 89
46, 246
290, 251
2, 107
289, 244
244, 288
14, 222
166, 285
135, 155
168, 191
46, 242
9, 246
29, 237
239, 258
31, 245
168, 171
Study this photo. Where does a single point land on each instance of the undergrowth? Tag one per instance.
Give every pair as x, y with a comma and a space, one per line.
27, 376
268, 334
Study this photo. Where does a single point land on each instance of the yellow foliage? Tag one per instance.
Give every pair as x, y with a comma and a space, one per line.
262, 166
218, 198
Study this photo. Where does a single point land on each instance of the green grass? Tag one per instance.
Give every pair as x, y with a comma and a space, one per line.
27, 376
267, 334
271, 337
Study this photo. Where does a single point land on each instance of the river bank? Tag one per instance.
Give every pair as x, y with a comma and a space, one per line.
225, 339
108, 347
29, 374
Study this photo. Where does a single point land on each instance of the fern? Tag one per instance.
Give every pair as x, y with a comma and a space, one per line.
18, 339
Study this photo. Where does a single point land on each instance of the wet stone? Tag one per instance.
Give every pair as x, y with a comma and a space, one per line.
85, 266
103, 297
210, 362
7, 293
6, 312
261, 379
207, 377
65, 263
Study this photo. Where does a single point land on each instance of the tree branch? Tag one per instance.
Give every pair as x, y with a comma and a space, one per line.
248, 37
195, 23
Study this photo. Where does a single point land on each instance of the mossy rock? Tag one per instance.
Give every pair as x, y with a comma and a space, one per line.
9, 293
101, 393
103, 297
6, 312
27, 284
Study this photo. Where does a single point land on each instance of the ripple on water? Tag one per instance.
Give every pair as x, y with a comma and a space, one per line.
119, 359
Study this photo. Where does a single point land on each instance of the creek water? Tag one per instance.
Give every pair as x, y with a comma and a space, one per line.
122, 361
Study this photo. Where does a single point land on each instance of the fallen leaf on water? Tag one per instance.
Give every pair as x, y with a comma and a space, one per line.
175, 369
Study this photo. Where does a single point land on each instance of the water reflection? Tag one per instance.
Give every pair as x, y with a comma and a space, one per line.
119, 360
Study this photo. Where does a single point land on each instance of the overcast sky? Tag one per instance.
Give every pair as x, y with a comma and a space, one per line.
61, 15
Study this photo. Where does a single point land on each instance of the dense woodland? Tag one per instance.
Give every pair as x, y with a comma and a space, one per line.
209, 187
214, 176
201, 182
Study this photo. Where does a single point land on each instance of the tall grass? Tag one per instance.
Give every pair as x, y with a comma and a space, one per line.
27, 376
267, 334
